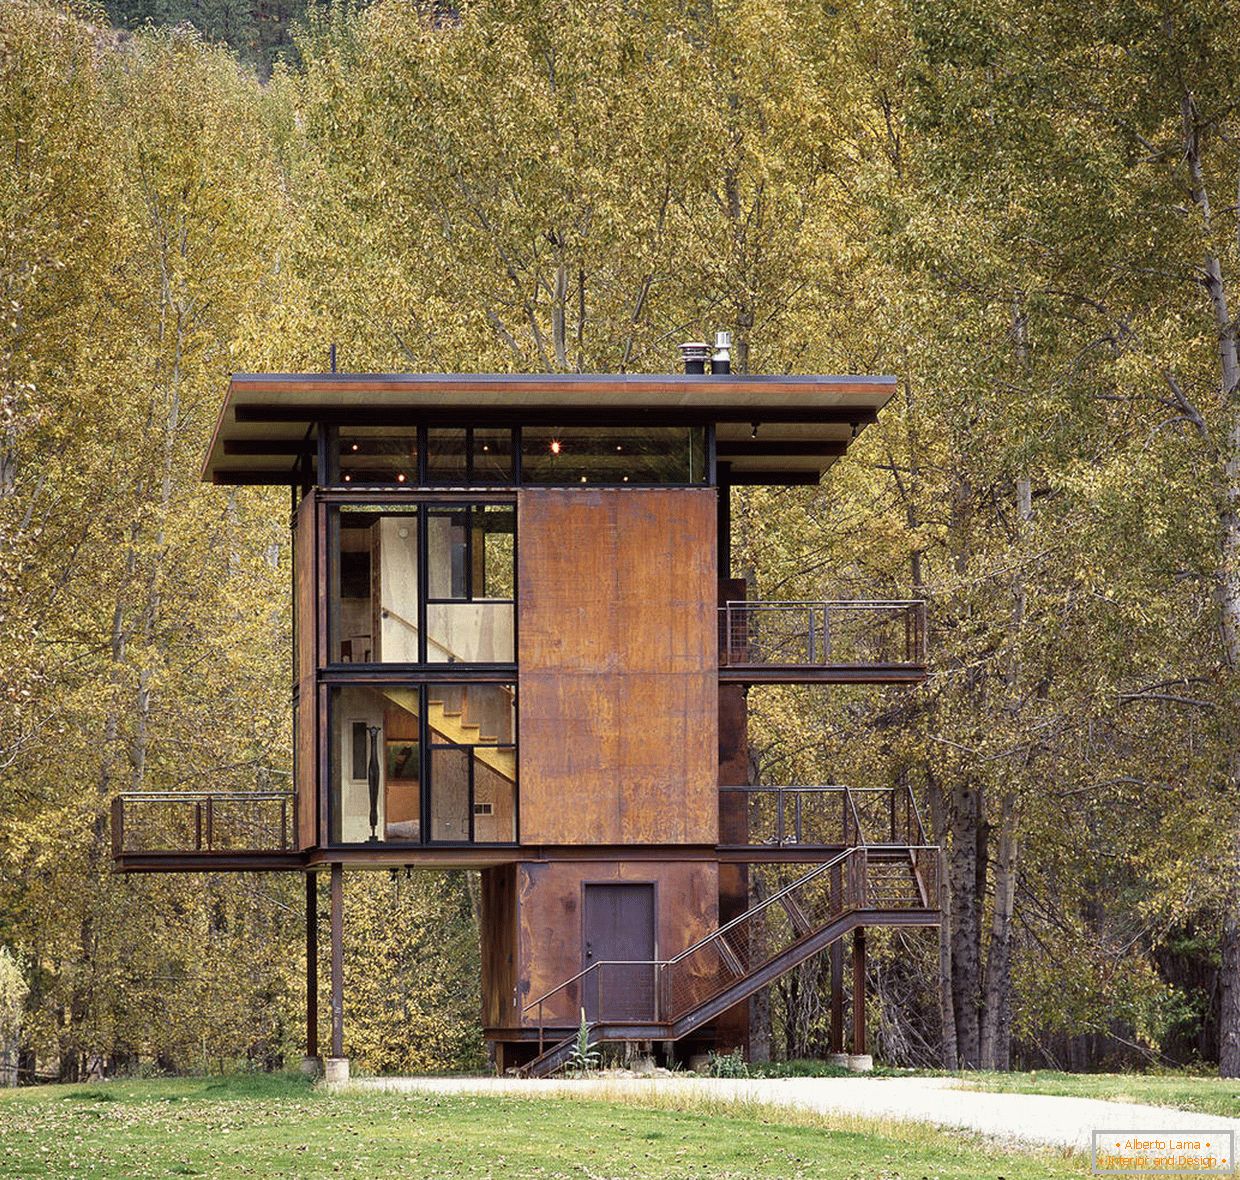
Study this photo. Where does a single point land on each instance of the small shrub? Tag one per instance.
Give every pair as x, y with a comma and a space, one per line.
727, 1065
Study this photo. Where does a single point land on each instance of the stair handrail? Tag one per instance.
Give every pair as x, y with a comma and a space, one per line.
388, 612
848, 903
852, 804
453, 657
765, 903
718, 932
916, 812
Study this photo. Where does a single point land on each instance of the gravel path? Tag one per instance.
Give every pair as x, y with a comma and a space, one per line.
1028, 1118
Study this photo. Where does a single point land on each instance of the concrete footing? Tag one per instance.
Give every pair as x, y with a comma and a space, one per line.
840, 1060
311, 1067
860, 1062
335, 1070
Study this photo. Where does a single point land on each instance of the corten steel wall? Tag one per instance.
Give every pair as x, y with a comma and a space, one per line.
732, 1028
305, 606
549, 925
499, 947
618, 666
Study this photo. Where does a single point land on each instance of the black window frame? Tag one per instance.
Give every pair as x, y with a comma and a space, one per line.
329, 455
469, 595
426, 746
420, 506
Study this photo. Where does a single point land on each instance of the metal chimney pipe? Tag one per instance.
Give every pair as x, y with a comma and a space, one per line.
695, 353
721, 358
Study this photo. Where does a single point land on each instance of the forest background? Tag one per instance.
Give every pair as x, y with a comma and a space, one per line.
1026, 211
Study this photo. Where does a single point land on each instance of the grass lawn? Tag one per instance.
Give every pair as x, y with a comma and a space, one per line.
265, 1126
1188, 1092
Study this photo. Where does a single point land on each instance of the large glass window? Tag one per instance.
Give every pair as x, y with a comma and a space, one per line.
422, 584
419, 764
469, 604
474, 455
466, 455
613, 454
372, 455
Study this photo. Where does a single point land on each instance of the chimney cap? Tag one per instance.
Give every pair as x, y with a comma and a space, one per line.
695, 354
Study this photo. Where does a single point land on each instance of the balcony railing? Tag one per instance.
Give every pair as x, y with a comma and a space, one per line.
174, 822
844, 634
829, 816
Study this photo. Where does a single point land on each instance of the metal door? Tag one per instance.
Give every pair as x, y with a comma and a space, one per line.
618, 930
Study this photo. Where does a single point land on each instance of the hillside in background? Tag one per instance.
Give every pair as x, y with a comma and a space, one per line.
259, 31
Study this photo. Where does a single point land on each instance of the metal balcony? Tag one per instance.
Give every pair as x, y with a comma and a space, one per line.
804, 642
198, 829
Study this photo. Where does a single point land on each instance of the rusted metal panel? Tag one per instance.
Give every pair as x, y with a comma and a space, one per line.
498, 923
306, 608
550, 916
618, 688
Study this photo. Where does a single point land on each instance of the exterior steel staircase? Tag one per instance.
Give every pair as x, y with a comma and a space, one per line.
861, 886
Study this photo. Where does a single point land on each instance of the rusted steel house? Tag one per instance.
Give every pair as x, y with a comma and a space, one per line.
519, 648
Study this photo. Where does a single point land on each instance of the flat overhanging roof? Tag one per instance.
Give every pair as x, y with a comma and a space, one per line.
768, 429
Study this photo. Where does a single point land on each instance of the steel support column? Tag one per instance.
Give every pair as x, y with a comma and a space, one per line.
312, 965
837, 996
858, 1009
337, 960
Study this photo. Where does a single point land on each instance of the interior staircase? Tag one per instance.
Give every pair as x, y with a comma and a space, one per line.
449, 721
861, 886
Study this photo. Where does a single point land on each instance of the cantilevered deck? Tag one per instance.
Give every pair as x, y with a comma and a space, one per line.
867, 641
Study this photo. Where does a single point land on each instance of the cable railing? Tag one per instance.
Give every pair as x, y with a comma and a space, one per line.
849, 633
828, 816
202, 821
661, 992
